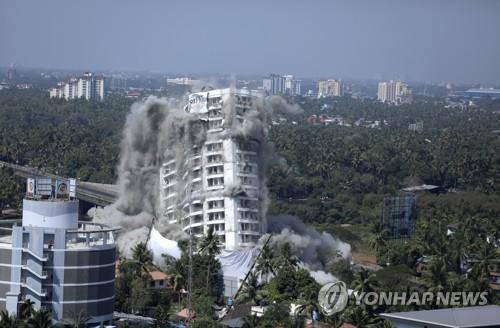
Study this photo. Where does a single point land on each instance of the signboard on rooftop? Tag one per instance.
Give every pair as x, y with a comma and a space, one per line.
197, 103
44, 186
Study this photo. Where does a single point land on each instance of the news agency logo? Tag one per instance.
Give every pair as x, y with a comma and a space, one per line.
333, 297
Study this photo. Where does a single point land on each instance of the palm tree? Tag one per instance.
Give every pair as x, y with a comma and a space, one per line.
287, 260
377, 242
307, 303
40, 319
458, 250
9, 321
210, 246
365, 281
251, 290
177, 281
143, 257
265, 263
27, 308
358, 317
435, 274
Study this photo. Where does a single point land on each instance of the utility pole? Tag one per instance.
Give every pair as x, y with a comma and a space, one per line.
190, 272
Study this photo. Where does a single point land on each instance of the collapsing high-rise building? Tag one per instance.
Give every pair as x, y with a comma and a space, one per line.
217, 183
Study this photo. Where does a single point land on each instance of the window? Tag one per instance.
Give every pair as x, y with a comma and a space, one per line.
248, 181
216, 216
248, 215
215, 124
248, 238
247, 146
214, 159
249, 158
248, 227
247, 169
214, 113
247, 203
214, 146
215, 170
213, 182
215, 204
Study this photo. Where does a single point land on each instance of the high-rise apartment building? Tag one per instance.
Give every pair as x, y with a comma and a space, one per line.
330, 88
282, 85
395, 92
88, 87
217, 183
62, 265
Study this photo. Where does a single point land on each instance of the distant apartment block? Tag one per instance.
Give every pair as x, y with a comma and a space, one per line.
395, 92
182, 81
88, 87
330, 88
282, 85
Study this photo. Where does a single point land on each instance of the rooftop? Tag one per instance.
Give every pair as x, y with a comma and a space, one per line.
486, 91
467, 317
158, 275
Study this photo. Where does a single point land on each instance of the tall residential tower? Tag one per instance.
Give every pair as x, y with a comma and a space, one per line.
395, 92
217, 183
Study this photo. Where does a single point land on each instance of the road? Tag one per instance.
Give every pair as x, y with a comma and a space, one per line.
95, 193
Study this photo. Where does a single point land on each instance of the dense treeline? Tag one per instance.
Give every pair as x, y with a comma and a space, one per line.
328, 174
340, 174
76, 138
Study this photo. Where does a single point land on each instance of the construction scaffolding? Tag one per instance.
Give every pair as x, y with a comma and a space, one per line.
399, 216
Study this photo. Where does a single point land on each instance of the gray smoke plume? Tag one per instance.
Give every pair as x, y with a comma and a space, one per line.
315, 250
151, 129
158, 131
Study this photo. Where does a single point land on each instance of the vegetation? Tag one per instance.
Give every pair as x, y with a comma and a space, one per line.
332, 177
29, 319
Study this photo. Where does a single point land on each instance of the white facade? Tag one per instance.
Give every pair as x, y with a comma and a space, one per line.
219, 184
395, 92
330, 88
87, 87
281, 85
182, 81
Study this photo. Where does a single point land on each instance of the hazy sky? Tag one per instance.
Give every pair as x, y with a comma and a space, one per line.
415, 40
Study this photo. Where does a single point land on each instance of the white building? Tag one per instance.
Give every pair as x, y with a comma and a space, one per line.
395, 92
182, 81
218, 184
281, 85
87, 87
330, 88
291, 86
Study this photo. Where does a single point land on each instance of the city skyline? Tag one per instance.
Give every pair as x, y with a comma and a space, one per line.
431, 42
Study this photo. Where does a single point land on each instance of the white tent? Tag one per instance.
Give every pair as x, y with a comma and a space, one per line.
159, 245
234, 264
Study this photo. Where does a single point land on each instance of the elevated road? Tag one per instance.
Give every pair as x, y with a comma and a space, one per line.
95, 193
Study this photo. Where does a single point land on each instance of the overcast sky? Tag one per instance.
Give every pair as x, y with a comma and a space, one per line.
454, 40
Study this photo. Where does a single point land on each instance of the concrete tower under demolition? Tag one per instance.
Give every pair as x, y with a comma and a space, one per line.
217, 183
61, 264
